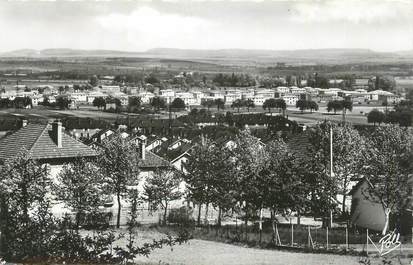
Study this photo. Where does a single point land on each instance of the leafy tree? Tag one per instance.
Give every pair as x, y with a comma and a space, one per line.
113, 100
388, 169
119, 165
80, 186
194, 112
349, 149
134, 103
347, 105
198, 175
99, 102
63, 102
219, 103
161, 188
23, 187
152, 79
209, 103
94, 81
237, 104
22, 102
313, 106
158, 103
269, 104
283, 182
249, 161
5, 103
302, 104
249, 103
376, 116
178, 104
335, 105
281, 105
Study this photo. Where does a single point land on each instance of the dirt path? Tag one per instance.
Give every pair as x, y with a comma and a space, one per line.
200, 252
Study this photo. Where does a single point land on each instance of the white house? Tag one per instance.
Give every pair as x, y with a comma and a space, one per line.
298, 90
187, 97
146, 97
291, 99
282, 89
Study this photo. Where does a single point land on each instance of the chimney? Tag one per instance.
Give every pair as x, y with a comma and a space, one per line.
142, 146
23, 123
57, 133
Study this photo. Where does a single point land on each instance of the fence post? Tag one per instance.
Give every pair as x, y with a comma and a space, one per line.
292, 234
347, 237
367, 242
327, 237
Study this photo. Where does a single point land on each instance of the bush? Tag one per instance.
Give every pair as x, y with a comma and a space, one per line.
182, 216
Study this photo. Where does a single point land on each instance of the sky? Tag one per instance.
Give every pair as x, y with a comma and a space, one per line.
380, 25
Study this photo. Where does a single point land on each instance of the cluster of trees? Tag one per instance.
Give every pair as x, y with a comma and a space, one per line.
18, 102
210, 103
247, 176
402, 115
234, 80
62, 102
304, 104
340, 105
273, 103
239, 103
30, 232
100, 102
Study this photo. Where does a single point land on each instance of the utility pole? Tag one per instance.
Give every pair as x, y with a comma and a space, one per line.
331, 170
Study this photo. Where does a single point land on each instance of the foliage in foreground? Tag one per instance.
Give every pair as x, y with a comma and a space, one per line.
31, 234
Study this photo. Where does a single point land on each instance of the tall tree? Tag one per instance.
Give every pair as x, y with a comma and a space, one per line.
219, 103
119, 165
283, 182
248, 155
24, 184
134, 103
99, 102
349, 148
249, 103
237, 104
376, 116
80, 186
269, 104
158, 103
335, 105
161, 188
209, 103
388, 169
313, 106
302, 104
178, 104
347, 105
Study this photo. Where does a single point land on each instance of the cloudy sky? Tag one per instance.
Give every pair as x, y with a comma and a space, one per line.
198, 24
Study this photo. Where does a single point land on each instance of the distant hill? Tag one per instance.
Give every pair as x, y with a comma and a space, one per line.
68, 53
232, 56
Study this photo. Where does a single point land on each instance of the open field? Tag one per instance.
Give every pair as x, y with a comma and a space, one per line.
356, 116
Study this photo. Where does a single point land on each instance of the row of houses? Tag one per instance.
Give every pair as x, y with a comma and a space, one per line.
193, 98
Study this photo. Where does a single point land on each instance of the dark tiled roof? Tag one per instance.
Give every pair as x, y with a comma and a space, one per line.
152, 161
37, 139
299, 145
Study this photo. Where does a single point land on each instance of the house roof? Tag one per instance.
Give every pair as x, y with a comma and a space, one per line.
152, 161
299, 145
38, 140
